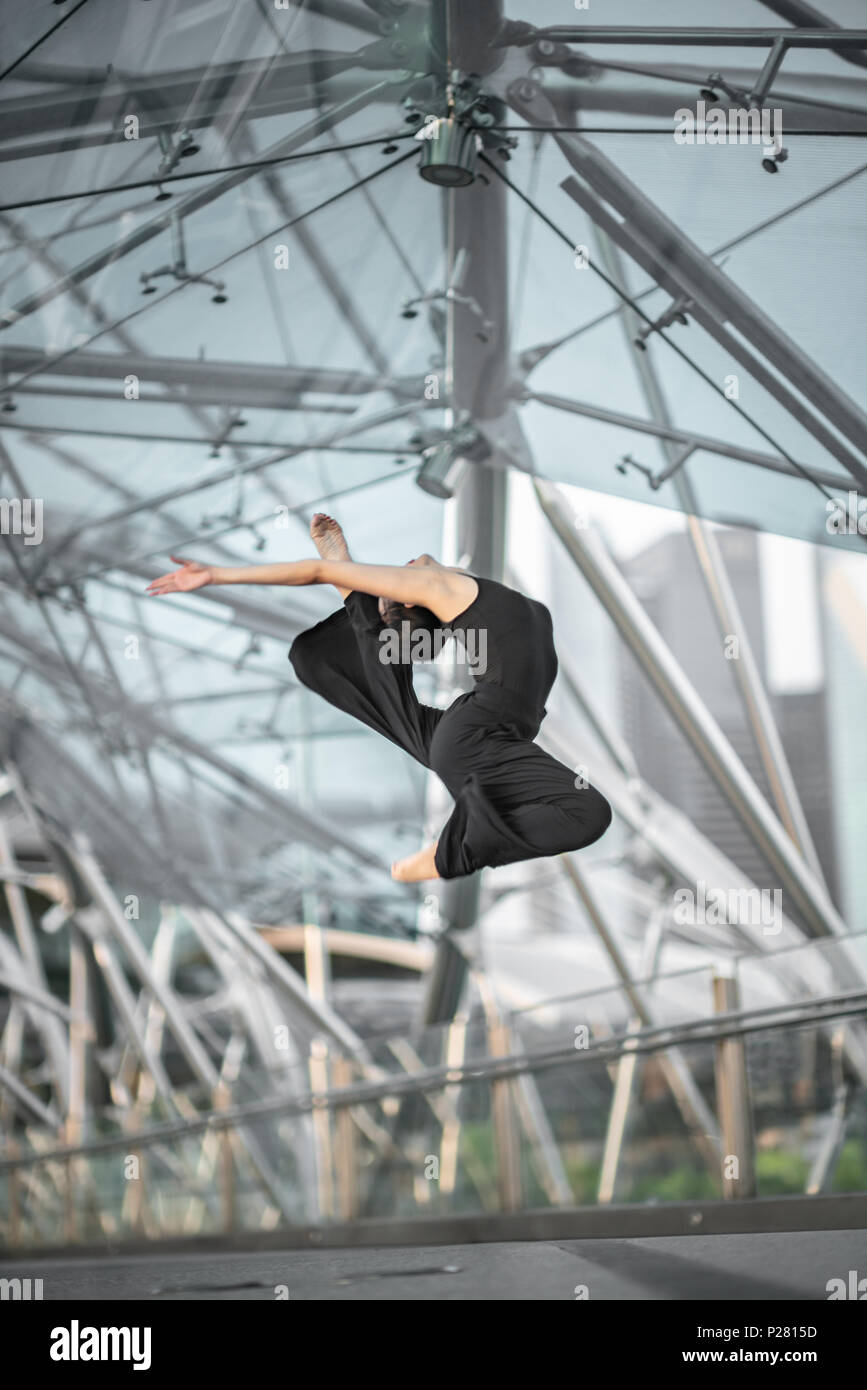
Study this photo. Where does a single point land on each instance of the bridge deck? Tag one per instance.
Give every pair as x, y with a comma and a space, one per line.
760, 1266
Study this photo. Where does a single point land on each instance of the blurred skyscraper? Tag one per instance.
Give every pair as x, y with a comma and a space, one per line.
667, 579
844, 633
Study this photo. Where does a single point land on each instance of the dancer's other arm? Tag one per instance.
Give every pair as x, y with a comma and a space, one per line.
446, 593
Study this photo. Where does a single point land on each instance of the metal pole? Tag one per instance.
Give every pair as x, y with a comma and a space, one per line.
80, 1037
835, 1133
806, 16
197, 1059
346, 1150
627, 1070
222, 1100
25, 934
685, 438
753, 37
445, 1106
318, 1067
15, 1180
455, 1049
476, 386
733, 1099
698, 277
202, 197
507, 1144
722, 597
688, 1098
693, 717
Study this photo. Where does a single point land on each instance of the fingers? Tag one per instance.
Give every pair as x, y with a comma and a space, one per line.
165, 584
171, 583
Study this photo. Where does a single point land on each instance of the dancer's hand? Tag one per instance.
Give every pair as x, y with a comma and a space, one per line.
190, 576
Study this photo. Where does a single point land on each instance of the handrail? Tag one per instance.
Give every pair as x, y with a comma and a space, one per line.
645, 1040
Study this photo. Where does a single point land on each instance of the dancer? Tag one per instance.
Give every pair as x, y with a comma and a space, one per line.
513, 801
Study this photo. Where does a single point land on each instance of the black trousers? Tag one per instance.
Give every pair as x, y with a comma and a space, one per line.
513, 801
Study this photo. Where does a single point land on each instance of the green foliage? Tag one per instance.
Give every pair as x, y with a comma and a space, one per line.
850, 1174
583, 1179
780, 1171
684, 1184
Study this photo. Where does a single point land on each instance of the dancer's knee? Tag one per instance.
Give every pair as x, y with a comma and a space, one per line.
585, 822
302, 655
599, 816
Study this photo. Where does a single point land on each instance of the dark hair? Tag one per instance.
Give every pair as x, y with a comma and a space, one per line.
417, 616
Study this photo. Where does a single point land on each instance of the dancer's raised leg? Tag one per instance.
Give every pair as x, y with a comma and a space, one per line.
341, 659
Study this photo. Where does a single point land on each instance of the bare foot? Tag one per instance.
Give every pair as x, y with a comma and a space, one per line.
328, 537
330, 541
416, 867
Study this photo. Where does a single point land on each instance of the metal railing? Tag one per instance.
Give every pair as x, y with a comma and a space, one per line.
365, 1106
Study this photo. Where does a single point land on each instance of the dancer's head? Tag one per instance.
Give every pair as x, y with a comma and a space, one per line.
394, 613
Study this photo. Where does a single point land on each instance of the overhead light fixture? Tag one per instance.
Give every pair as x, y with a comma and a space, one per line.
448, 156
442, 470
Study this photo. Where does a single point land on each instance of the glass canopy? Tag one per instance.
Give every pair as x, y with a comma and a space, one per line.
229, 299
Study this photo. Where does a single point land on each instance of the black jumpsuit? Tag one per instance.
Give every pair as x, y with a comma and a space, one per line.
513, 801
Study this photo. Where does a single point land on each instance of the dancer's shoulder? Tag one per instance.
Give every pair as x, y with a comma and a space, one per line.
497, 604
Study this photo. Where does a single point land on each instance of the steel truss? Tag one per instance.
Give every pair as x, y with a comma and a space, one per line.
185, 1077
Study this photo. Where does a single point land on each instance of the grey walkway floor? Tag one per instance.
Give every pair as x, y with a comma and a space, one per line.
788, 1265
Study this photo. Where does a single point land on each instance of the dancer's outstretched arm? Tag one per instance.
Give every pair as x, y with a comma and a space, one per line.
446, 593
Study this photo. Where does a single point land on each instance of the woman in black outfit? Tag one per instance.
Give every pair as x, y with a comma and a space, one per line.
513, 801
